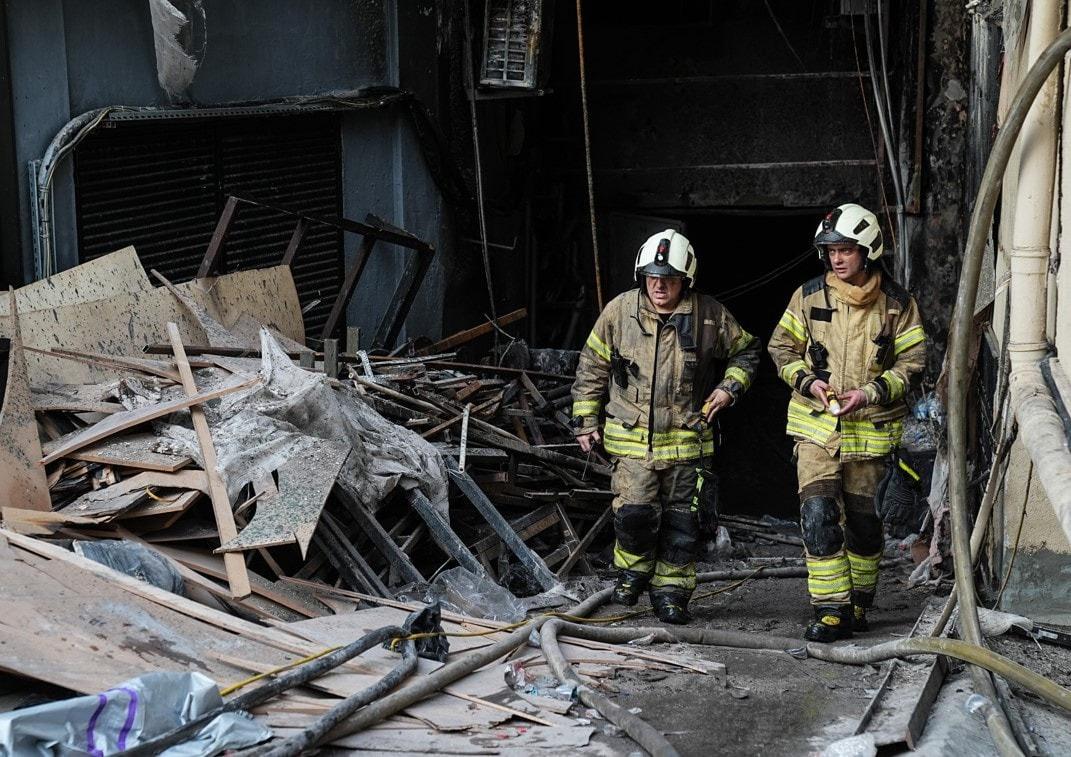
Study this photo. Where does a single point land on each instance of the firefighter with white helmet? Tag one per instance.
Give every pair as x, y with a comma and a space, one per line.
849, 345
650, 378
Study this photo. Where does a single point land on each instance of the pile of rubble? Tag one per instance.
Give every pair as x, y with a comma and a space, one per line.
187, 487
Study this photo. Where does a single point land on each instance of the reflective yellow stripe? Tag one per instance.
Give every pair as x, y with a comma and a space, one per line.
674, 576
829, 578
739, 375
896, 386
864, 570
586, 407
628, 561
790, 323
859, 437
788, 373
909, 470
598, 346
679, 444
740, 343
813, 427
909, 339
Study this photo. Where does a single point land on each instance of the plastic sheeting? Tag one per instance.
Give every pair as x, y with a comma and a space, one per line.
257, 431
122, 717
177, 54
135, 560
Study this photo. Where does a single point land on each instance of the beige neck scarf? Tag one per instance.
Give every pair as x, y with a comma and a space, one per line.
855, 296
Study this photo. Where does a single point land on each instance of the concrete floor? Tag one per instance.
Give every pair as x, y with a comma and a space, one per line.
777, 705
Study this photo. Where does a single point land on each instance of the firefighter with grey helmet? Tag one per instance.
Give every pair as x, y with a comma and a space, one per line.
849, 344
660, 363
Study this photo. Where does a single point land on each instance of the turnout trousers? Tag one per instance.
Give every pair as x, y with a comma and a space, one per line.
657, 532
842, 532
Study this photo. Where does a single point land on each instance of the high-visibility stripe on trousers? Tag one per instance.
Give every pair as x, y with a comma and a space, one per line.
864, 569
677, 578
829, 579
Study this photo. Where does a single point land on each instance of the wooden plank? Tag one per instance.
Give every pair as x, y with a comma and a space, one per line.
219, 237
490, 513
345, 292
526, 526
580, 548
295, 242
237, 576
114, 424
441, 532
117, 362
466, 336
572, 540
23, 481
165, 506
345, 557
378, 535
128, 451
116, 273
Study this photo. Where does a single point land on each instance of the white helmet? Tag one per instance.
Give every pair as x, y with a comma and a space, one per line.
667, 253
850, 224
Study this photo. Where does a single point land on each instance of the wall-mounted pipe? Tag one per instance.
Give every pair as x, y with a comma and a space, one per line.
962, 320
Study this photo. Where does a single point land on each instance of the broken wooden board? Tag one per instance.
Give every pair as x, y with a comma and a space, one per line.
125, 323
217, 333
73, 628
76, 398
40, 523
237, 575
117, 273
290, 516
113, 424
127, 451
23, 481
121, 497
170, 504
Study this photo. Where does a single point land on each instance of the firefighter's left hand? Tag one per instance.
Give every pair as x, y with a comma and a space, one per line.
718, 400
852, 400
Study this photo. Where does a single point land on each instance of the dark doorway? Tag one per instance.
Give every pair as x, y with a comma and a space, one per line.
752, 263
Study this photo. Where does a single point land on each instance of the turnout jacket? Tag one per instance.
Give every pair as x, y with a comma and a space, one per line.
875, 343
654, 376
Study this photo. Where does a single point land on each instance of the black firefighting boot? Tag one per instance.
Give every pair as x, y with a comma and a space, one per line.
832, 623
671, 607
630, 586
859, 621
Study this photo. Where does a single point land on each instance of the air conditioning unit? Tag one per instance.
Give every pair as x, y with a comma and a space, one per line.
512, 41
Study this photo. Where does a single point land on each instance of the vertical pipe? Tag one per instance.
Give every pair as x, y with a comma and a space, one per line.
1030, 253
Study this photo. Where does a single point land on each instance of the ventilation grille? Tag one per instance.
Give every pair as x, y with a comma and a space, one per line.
161, 187
511, 41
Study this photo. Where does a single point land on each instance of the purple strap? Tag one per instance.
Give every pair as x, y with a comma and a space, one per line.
124, 732
102, 702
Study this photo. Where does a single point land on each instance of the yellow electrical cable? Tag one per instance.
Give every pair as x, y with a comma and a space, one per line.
471, 634
157, 497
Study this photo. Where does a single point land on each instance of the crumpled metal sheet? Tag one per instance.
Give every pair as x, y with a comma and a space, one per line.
256, 432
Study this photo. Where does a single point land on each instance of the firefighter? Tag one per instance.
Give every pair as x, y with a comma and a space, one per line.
848, 345
648, 357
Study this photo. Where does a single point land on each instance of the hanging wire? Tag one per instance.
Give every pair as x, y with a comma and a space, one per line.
587, 153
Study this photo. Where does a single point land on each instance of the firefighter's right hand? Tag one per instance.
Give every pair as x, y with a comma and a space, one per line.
818, 390
589, 440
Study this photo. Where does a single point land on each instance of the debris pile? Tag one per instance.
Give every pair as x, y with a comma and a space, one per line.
187, 487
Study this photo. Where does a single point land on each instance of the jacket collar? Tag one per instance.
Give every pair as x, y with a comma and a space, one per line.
684, 307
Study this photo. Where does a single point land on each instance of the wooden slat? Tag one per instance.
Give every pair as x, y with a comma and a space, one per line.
237, 575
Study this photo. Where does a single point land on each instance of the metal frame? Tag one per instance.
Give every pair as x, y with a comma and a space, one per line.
372, 230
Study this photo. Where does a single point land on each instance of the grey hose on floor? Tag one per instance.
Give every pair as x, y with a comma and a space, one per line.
315, 733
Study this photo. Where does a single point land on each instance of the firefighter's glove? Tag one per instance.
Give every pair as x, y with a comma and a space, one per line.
705, 500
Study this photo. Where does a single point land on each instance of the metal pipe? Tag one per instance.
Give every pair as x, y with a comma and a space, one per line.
962, 320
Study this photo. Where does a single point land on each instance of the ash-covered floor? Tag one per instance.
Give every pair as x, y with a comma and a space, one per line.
777, 705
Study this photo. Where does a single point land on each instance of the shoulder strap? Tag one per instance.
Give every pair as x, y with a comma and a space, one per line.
894, 291
814, 285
